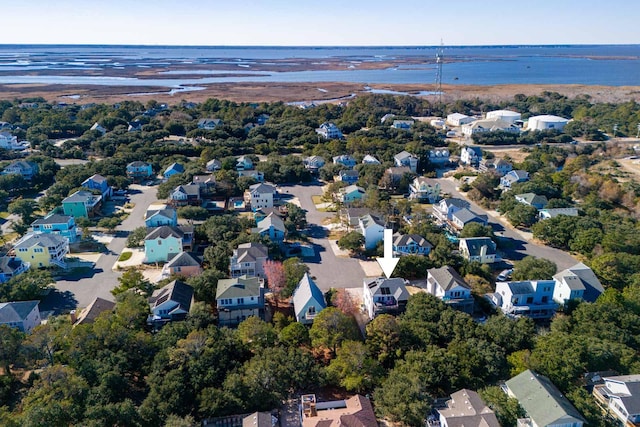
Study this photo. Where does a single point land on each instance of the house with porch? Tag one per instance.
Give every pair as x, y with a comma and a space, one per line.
183, 195
173, 169
446, 284
10, 142
62, 225
462, 217
404, 158
244, 163
184, 265
471, 156
10, 267
372, 228
213, 165
444, 210
22, 315
499, 166
410, 244
329, 131
138, 171
348, 176
260, 196
370, 160
98, 182
344, 160
239, 298
424, 190
27, 170
313, 163
163, 243
207, 184
308, 300
513, 177
42, 250
464, 408
170, 303
272, 227
82, 204
350, 194
530, 298
248, 260
439, 156
619, 398
478, 249
577, 283
382, 295
209, 124
159, 217
532, 199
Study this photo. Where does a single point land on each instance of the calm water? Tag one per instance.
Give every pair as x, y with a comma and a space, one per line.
617, 65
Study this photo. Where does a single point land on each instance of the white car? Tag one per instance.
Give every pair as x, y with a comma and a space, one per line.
504, 275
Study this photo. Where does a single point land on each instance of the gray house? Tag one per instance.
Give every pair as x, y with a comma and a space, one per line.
308, 300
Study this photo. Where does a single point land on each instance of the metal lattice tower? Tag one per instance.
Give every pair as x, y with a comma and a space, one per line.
439, 60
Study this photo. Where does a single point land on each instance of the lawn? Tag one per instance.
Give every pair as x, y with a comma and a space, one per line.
125, 256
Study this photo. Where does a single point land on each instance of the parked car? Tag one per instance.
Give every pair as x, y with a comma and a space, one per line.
504, 275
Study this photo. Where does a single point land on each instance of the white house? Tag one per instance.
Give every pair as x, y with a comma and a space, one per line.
308, 300
313, 163
238, 299
458, 119
10, 142
244, 163
478, 249
445, 283
488, 125
329, 131
424, 190
545, 122
499, 166
407, 159
504, 115
465, 408
464, 216
470, 156
370, 160
552, 213
170, 303
372, 228
577, 282
531, 298
248, 260
410, 244
344, 160
260, 196
23, 315
445, 209
383, 295
25, 169
620, 397
513, 177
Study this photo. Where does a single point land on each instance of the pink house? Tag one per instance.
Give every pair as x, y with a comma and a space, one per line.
183, 264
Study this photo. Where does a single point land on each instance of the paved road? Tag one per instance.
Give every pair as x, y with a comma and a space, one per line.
79, 291
518, 248
330, 271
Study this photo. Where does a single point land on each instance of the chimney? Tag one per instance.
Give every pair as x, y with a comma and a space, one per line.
483, 251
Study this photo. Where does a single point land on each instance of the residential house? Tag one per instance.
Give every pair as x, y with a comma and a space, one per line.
462, 217
260, 196
352, 215
209, 124
134, 126
402, 124
531, 298
91, 312
98, 182
552, 213
252, 173
62, 225
619, 397
577, 282
353, 412
471, 156
259, 419
383, 295
98, 127
42, 250
244, 163
248, 260
489, 125
213, 165
344, 160
458, 119
478, 249
22, 315
183, 195
513, 177
407, 159
329, 131
465, 408
499, 166
10, 142
444, 210
173, 169
138, 171
239, 298
82, 204
349, 176
544, 404
439, 156
532, 199
313, 163
350, 194
370, 160
170, 303
424, 190
207, 184
372, 228
159, 217
272, 227
410, 244
26, 170
163, 243
308, 300
446, 284
184, 265
11, 267
262, 213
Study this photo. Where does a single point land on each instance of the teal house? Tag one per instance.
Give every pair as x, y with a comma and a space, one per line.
63, 225
163, 243
81, 204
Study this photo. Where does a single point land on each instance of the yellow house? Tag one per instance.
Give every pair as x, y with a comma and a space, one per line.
42, 250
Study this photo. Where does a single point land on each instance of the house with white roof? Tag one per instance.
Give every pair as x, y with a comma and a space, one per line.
458, 119
439, 156
372, 228
446, 284
308, 300
619, 397
370, 160
22, 315
383, 295
577, 282
554, 212
546, 121
504, 115
513, 177
407, 159
530, 298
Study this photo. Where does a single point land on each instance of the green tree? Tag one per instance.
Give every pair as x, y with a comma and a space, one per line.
331, 327
352, 241
353, 368
403, 398
295, 335
532, 268
10, 345
383, 339
522, 215
205, 285
133, 279
294, 269
193, 213
109, 223
507, 408
24, 208
135, 239
475, 229
26, 287
257, 334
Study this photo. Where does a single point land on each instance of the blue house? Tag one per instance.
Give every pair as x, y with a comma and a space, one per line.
410, 244
98, 182
163, 243
62, 225
308, 300
272, 227
348, 176
11, 267
160, 217
139, 170
513, 177
173, 169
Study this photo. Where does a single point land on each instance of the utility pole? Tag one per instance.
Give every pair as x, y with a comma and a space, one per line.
615, 129
638, 133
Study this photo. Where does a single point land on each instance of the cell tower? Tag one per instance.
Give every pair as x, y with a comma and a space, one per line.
439, 61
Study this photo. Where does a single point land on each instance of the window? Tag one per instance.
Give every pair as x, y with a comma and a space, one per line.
159, 242
545, 299
240, 300
529, 300
312, 310
385, 291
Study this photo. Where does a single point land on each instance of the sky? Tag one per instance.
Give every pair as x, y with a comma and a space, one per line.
320, 22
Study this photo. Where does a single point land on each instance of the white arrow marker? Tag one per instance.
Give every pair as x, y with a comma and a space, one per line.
388, 263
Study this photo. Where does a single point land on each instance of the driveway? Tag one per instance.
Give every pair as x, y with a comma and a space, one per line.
80, 289
515, 246
329, 270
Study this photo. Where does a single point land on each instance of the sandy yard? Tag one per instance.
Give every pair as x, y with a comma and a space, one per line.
371, 268
88, 256
336, 250
630, 165
516, 154
136, 259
